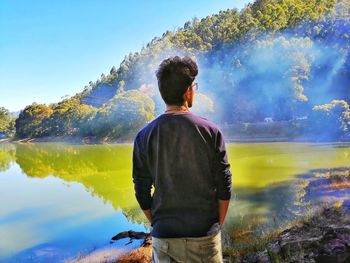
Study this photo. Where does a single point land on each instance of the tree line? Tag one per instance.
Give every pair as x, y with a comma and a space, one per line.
284, 59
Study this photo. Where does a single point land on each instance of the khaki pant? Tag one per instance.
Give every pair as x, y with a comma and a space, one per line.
187, 250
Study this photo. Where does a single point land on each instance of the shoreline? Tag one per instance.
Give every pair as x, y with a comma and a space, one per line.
320, 235
5, 140
87, 140
321, 232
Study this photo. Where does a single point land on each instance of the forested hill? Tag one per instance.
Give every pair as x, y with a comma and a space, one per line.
198, 37
275, 60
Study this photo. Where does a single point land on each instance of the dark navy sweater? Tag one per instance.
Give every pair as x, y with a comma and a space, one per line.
183, 156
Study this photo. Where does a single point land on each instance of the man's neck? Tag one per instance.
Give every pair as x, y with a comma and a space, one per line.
176, 108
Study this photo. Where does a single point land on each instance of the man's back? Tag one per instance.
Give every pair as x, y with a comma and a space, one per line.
184, 157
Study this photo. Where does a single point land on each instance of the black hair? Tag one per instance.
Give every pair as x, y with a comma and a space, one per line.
174, 76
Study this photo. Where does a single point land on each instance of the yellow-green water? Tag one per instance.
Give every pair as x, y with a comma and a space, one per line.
57, 200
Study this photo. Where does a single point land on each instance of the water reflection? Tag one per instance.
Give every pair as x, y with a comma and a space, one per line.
58, 201
7, 155
104, 170
58, 197
262, 164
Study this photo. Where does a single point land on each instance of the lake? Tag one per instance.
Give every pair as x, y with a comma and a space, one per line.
60, 201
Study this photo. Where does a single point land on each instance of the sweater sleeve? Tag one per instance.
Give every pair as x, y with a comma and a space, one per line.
142, 179
222, 169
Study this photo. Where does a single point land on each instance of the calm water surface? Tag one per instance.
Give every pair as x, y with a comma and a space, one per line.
58, 201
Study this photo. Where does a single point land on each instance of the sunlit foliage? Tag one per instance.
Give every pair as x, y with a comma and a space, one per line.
274, 59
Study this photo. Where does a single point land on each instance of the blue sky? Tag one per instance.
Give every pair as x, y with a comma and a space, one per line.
49, 49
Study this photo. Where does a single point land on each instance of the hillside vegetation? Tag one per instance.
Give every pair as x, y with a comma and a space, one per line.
275, 60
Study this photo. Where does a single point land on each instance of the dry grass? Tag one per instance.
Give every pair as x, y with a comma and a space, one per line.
243, 241
139, 255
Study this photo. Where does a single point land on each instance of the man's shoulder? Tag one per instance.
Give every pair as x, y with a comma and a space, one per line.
146, 129
206, 123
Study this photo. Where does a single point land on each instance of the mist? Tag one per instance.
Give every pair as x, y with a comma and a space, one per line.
271, 76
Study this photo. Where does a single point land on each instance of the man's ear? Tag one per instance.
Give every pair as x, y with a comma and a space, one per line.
187, 95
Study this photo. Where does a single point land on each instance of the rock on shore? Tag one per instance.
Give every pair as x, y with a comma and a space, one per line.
325, 237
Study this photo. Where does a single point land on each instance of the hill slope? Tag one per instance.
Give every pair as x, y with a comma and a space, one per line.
279, 60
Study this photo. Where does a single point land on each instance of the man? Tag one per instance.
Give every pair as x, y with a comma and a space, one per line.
184, 157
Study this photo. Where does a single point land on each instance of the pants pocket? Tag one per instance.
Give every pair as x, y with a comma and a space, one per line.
160, 252
210, 253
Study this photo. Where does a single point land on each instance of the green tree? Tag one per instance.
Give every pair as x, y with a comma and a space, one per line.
30, 121
70, 117
5, 120
126, 113
113, 71
332, 119
203, 105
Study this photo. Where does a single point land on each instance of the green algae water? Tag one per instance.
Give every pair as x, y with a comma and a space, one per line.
59, 201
